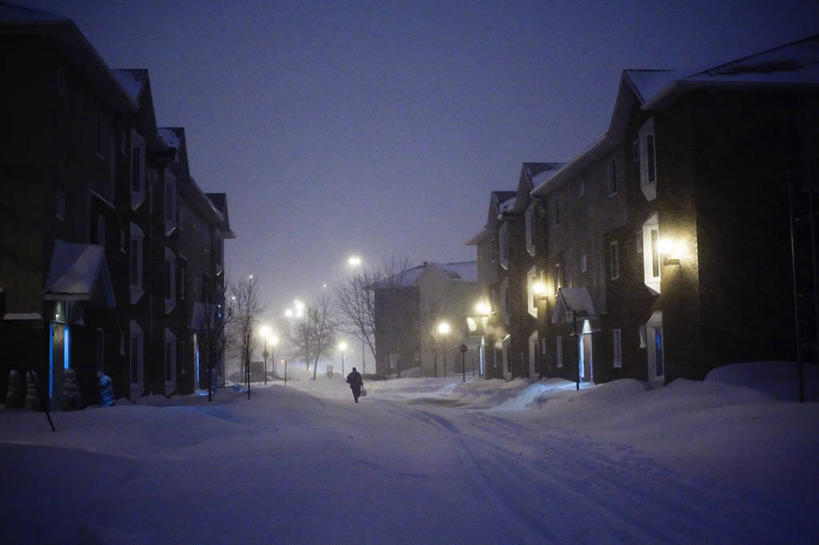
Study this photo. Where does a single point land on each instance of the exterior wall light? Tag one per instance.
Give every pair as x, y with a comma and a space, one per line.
670, 250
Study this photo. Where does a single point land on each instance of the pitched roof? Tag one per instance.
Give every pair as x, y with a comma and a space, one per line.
466, 271
795, 64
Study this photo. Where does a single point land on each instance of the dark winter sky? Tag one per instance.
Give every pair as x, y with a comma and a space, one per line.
380, 128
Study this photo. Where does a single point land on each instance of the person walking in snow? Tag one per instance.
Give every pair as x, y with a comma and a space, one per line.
356, 382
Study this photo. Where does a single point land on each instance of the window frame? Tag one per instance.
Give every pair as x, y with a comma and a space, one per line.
617, 348
614, 260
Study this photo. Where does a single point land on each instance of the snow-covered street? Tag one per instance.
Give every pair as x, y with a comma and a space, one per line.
424, 461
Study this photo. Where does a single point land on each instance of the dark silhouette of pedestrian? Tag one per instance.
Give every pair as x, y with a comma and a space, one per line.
356, 382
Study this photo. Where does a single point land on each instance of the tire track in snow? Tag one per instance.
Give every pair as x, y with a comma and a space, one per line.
687, 507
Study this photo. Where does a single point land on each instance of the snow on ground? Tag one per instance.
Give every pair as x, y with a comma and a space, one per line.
419, 460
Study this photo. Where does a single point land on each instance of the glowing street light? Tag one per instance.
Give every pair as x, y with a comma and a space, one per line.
342, 347
443, 330
354, 261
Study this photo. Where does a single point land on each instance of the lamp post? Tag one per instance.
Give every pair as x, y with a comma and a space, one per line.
342, 346
274, 340
264, 331
443, 330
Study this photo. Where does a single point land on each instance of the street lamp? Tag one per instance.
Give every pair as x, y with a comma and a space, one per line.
342, 347
274, 340
354, 261
443, 330
264, 331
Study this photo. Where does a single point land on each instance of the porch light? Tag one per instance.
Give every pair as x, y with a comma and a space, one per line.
670, 250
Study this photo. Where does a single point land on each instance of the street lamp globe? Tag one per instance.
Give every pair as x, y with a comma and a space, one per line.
444, 328
354, 261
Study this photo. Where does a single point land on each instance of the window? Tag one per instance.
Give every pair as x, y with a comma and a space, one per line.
123, 143
169, 277
136, 356
59, 204
503, 245
616, 348
648, 160
635, 151
170, 202
559, 350
581, 188
101, 230
651, 254
614, 260
555, 202
638, 238
651, 158
584, 264
505, 301
532, 277
170, 357
558, 277
530, 229
612, 176
135, 262
137, 170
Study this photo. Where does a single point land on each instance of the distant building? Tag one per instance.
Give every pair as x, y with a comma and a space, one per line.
93, 272
410, 306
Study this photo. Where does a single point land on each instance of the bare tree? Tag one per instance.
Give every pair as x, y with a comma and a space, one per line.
245, 306
355, 299
214, 318
312, 334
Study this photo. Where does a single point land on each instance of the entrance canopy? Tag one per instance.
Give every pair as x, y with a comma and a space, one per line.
77, 272
575, 301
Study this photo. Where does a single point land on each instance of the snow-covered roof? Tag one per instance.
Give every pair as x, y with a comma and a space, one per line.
75, 271
172, 136
461, 270
547, 172
132, 80
466, 271
575, 300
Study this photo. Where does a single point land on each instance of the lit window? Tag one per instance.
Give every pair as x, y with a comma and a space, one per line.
651, 254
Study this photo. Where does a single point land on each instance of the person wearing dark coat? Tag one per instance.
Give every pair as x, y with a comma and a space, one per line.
356, 382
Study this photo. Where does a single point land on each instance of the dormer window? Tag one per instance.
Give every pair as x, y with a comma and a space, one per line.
648, 160
503, 245
530, 229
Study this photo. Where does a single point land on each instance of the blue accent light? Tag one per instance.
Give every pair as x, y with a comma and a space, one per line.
66, 361
50, 360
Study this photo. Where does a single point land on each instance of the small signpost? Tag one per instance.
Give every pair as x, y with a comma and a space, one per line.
462, 348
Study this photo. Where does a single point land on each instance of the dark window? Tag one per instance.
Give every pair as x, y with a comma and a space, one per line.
612, 177
652, 167
136, 169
